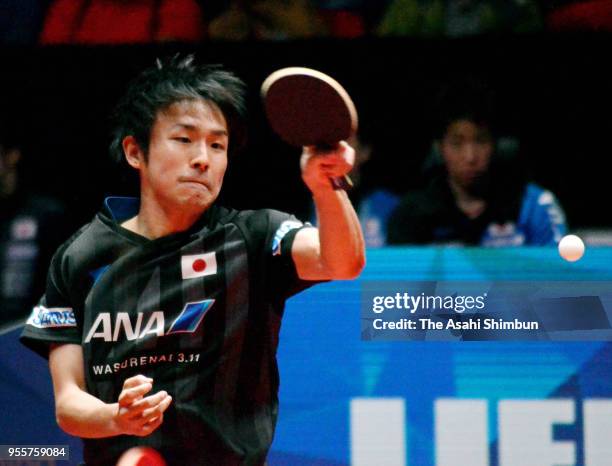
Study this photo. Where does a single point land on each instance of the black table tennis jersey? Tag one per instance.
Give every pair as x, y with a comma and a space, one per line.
198, 311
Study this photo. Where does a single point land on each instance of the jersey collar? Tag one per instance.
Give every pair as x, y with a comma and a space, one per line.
118, 209
121, 208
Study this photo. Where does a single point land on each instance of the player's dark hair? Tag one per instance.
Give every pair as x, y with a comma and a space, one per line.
465, 99
173, 80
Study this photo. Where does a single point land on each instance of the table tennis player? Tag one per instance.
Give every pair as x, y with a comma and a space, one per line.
161, 317
475, 195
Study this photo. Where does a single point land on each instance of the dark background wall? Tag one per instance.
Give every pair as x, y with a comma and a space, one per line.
555, 95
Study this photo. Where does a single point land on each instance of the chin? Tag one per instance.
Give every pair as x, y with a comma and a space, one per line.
200, 201
196, 197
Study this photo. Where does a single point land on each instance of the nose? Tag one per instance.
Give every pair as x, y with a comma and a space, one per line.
199, 159
470, 153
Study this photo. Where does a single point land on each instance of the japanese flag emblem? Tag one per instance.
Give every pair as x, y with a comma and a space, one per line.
198, 265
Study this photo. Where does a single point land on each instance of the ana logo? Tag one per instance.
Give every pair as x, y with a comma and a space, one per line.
198, 265
188, 321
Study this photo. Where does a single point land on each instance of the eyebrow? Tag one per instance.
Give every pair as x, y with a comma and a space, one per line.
189, 127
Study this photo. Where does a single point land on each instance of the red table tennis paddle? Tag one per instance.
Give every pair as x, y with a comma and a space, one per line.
308, 108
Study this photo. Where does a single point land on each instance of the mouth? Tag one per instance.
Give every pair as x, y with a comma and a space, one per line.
194, 182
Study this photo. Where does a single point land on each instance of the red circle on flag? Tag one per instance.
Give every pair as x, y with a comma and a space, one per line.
199, 265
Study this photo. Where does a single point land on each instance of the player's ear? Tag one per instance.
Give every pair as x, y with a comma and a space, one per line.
132, 151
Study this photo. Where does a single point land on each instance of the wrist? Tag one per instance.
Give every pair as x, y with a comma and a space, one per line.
326, 195
112, 414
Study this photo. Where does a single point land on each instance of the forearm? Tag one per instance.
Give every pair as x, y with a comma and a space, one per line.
83, 415
342, 244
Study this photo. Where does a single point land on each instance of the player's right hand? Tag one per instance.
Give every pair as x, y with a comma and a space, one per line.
139, 415
318, 166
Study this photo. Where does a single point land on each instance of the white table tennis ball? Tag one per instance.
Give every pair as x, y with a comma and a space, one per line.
571, 248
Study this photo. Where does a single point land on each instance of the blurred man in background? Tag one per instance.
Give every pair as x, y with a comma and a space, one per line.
31, 227
476, 195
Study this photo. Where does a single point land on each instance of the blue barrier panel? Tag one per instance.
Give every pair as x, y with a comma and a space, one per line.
333, 383
325, 365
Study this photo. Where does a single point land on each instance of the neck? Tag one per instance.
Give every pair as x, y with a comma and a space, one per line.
155, 220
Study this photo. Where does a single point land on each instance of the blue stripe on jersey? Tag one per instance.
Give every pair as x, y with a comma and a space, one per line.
190, 317
122, 208
96, 274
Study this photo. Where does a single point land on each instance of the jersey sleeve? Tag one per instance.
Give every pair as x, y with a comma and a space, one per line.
53, 319
543, 217
283, 277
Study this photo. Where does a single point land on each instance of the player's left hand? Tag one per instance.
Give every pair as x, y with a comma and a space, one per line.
318, 167
139, 415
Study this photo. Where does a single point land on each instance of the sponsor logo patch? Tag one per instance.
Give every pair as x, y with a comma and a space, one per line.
282, 231
135, 327
52, 317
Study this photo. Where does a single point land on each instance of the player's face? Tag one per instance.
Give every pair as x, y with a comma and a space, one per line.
187, 155
466, 149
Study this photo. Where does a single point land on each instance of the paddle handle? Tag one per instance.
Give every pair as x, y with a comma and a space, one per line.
342, 182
